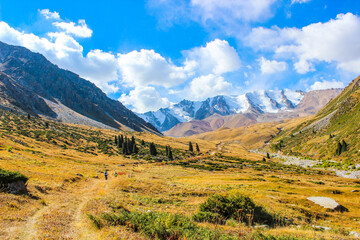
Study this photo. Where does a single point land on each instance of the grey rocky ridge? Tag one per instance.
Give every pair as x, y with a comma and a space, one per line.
29, 83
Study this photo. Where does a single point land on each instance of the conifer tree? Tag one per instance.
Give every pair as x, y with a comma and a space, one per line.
166, 151
129, 146
132, 140
124, 148
116, 140
191, 149
344, 146
152, 149
268, 155
135, 149
170, 156
339, 148
197, 148
28, 116
142, 142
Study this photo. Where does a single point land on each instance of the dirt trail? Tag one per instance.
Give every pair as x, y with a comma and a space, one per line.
63, 216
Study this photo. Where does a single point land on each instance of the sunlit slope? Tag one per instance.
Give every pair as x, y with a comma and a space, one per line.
250, 137
319, 137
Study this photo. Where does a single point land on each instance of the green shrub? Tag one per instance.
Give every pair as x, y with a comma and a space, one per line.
161, 225
235, 206
9, 177
208, 217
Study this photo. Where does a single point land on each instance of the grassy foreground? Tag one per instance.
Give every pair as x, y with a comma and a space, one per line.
157, 198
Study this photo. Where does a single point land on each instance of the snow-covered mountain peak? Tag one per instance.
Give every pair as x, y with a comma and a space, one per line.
260, 101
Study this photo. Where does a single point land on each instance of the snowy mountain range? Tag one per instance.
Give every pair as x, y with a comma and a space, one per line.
271, 101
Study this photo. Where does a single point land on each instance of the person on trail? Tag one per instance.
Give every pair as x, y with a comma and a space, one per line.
115, 174
106, 174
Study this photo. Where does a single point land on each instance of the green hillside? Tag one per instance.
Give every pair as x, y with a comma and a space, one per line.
332, 133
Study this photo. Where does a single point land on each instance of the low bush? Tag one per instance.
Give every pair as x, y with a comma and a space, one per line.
10, 177
208, 217
233, 206
160, 225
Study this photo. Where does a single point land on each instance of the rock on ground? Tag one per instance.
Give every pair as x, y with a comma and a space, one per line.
327, 203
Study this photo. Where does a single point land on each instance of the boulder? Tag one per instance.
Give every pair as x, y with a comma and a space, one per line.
17, 187
354, 234
327, 203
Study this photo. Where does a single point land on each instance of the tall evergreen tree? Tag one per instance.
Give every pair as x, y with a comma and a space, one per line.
152, 149
116, 140
344, 146
166, 151
129, 146
124, 149
339, 148
28, 116
142, 142
191, 149
132, 139
135, 149
197, 148
170, 156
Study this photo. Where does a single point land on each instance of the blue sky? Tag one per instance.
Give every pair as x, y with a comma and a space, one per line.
149, 54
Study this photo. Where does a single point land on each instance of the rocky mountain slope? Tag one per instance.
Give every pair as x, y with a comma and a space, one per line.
310, 103
253, 104
29, 83
323, 136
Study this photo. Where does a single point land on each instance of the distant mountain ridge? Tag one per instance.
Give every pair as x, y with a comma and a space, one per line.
29, 83
258, 102
310, 103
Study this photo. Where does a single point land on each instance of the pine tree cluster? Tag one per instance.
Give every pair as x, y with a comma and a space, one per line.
127, 145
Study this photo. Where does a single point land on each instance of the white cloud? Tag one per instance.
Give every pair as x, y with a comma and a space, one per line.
67, 53
268, 39
80, 30
216, 57
208, 86
326, 85
144, 99
49, 15
230, 10
299, 1
332, 41
228, 16
304, 66
148, 67
271, 66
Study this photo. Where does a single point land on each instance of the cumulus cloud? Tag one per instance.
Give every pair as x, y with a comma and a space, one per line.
144, 99
303, 66
332, 41
144, 67
216, 57
299, 1
142, 71
80, 30
271, 66
49, 15
229, 10
208, 86
67, 53
318, 85
228, 16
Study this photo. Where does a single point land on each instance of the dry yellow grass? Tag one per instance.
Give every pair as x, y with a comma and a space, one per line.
253, 136
63, 199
